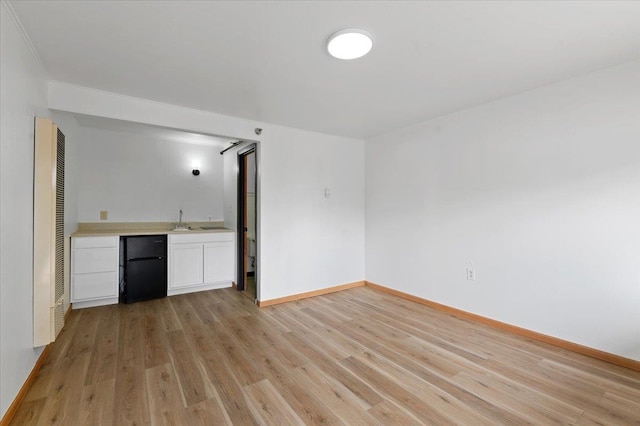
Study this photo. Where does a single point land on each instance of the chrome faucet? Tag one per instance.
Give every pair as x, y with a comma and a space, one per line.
180, 226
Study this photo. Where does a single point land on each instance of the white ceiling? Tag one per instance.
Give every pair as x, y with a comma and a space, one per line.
266, 60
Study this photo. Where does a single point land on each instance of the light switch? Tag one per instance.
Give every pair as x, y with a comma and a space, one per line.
327, 193
104, 215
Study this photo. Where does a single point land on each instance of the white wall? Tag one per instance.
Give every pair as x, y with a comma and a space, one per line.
251, 211
305, 241
309, 241
251, 173
539, 190
23, 95
138, 177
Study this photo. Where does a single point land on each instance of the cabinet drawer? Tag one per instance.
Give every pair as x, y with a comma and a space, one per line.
95, 260
201, 238
94, 286
94, 242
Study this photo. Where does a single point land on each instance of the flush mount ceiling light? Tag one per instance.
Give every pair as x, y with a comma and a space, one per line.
350, 43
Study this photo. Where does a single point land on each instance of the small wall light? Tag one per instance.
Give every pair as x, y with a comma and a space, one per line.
196, 168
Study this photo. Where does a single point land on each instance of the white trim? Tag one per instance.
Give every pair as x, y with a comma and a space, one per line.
94, 303
166, 105
14, 17
198, 287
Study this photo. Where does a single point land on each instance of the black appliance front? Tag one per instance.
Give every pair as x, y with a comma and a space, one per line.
145, 268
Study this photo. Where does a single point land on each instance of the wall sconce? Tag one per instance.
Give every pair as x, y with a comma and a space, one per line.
196, 168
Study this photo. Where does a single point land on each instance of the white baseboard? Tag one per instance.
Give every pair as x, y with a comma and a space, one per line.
203, 287
94, 303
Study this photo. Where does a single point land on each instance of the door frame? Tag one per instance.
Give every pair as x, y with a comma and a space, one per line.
242, 217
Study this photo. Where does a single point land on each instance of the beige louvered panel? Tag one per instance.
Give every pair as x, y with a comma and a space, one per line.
48, 232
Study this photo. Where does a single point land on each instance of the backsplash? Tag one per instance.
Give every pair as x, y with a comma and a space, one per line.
112, 226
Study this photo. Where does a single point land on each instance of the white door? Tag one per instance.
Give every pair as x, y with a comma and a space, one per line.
185, 265
218, 262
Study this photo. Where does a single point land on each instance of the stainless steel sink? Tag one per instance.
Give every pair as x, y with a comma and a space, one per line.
181, 229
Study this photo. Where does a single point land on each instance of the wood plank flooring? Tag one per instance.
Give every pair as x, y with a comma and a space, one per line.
356, 357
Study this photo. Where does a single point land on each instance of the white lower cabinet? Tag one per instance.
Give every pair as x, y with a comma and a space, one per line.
94, 271
197, 262
200, 262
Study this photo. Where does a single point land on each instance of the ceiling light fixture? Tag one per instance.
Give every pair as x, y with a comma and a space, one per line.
350, 43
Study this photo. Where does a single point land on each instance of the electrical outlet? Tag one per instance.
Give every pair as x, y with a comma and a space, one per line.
104, 215
471, 274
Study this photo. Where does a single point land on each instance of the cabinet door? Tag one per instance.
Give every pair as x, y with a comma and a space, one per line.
94, 286
218, 262
185, 265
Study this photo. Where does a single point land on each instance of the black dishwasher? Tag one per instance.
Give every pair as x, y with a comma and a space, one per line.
143, 259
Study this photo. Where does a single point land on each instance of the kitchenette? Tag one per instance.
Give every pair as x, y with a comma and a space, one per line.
144, 212
135, 261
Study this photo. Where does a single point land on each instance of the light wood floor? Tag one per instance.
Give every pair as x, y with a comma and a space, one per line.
251, 290
356, 357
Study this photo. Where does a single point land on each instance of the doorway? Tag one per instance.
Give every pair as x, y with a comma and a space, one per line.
247, 223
